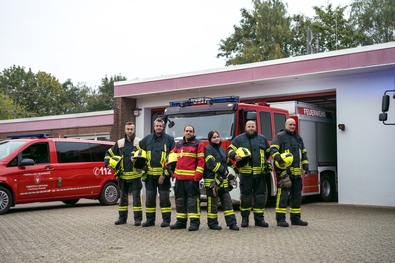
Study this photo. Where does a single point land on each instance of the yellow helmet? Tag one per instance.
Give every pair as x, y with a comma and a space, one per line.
245, 154
288, 158
141, 157
115, 162
140, 154
171, 158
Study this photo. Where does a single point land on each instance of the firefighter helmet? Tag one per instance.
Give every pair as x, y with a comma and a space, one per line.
171, 158
141, 159
288, 159
245, 154
115, 162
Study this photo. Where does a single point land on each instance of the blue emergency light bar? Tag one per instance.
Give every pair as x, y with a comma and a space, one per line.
204, 100
37, 135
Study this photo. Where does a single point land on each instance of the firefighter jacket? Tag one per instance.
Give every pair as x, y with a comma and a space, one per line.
190, 162
157, 148
286, 141
216, 163
259, 148
124, 148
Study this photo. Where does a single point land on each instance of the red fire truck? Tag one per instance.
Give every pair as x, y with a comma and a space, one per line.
228, 116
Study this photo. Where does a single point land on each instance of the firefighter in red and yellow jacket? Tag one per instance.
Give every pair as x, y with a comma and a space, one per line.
188, 172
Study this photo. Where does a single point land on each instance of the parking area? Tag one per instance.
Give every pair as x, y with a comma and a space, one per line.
54, 232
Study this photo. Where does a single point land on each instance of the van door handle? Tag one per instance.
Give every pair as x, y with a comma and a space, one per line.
49, 167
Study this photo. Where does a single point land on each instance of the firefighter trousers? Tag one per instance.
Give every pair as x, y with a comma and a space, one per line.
134, 186
294, 194
187, 195
253, 195
212, 207
152, 188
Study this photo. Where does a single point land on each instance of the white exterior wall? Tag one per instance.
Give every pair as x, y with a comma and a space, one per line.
366, 159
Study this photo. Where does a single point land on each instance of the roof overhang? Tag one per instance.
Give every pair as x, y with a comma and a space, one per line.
351, 61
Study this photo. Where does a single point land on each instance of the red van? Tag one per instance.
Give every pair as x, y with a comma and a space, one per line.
34, 168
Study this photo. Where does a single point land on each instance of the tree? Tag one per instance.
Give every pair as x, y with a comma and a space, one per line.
264, 34
16, 83
74, 99
332, 29
374, 20
103, 99
44, 95
7, 107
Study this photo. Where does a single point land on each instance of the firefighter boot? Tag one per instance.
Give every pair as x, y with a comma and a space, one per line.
138, 216
282, 223
213, 224
123, 216
280, 218
194, 224
299, 222
234, 227
260, 220
296, 221
166, 219
244, 221
150, 220
180, 224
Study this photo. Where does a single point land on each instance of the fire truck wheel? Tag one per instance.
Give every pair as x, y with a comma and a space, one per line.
109, 194
5, 200
71, 202
327, 188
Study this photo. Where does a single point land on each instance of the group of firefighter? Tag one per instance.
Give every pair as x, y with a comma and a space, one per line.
156, 159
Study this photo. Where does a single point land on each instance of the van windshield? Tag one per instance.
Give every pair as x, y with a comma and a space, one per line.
203, 123
8, 147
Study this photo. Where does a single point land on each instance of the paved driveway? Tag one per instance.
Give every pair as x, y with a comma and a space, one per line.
54, 232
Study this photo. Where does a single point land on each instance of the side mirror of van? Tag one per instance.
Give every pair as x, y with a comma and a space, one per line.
26, 162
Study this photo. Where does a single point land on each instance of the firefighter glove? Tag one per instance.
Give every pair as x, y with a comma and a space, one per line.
161, 179
267, 168
214, 188
285, 182
215, 191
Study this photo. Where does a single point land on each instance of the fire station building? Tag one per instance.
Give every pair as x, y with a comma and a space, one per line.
350, 82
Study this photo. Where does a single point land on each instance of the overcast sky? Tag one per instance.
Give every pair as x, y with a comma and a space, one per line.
84, 40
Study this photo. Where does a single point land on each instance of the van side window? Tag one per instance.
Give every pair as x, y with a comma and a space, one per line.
39, 152
69, 152
266, 125
98, 151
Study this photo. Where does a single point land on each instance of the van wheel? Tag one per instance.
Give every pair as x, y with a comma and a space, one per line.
71, 202
109, 194
327, 188
5, 200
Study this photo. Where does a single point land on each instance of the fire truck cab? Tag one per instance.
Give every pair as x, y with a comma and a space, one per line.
228, 116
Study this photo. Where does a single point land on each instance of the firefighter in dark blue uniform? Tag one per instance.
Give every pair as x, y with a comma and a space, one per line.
129, 177
289, 176
252, 172
157, 145
217, 184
